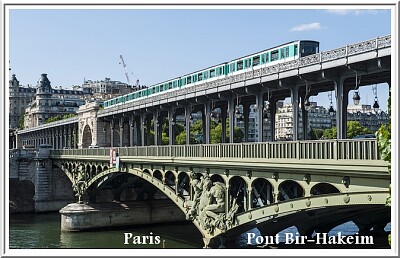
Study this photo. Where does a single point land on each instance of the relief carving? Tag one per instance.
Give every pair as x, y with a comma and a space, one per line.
208, 205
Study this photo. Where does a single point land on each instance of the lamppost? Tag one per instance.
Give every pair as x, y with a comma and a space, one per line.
376, 104
331, 110
356, 95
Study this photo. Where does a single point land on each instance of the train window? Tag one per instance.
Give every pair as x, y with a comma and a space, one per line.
256, 60
194, 77
200, 76
205, 75
240, 65
284, 52
308, 48
274, 55
170, 85
189, 79
221, 70
232, 68
295, 50
212, 73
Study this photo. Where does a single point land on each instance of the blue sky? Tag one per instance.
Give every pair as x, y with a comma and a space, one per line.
159, 44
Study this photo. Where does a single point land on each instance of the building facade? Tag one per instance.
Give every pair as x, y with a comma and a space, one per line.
49, 102
19, 98
105, 89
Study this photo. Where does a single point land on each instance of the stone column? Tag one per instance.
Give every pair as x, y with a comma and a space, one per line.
121, 131
231, 111
294, 94
171, 121
223, 123
112, 126
148, 127
260, 115
188, 111
304, 118
65, 136
70, 134
142, 129
207, 122
246, 108
272, 105
76, 138
156, 127
131, 126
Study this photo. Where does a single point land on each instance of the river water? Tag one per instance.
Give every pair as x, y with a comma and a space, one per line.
43, 231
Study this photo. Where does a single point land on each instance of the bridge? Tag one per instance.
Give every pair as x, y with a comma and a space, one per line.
228, 188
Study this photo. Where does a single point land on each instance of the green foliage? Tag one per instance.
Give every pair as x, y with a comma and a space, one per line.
354, 128
316, 133
21, 124
215, 133
330, 133
58, 117
384, 139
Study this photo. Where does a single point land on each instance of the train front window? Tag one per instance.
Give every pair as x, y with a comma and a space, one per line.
308, 48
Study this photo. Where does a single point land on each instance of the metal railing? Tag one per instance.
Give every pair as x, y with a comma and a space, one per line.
364, 149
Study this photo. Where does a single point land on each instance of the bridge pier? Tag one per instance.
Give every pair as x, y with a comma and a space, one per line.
86, 216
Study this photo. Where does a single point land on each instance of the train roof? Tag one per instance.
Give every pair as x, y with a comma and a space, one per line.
268, 49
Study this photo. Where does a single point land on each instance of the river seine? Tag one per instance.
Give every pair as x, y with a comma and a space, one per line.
43, 231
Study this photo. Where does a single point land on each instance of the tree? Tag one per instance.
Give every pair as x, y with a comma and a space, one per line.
21, 122
354, 128
384, 139
316, 134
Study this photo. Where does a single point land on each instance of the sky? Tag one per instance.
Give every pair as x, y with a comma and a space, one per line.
71, 45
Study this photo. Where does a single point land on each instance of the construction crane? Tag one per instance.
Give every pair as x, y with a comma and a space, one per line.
124, 65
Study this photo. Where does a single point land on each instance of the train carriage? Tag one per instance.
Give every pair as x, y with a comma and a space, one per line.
282, 53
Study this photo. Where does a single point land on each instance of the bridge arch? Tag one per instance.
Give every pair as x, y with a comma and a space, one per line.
157, 174
262, 193
323, 188
289, 189
217, 178
86, 136
183, 184
238, 190
170, 179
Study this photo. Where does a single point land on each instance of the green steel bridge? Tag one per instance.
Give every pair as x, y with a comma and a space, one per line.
227, 189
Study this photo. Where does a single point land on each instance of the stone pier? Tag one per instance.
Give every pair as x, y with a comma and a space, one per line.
79, 217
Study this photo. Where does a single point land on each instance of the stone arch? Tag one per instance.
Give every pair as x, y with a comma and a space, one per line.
323, 188
99, 169
86, 137
261, 193
238, 193
289, 189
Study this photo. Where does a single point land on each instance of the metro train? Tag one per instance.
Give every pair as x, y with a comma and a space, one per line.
282, 53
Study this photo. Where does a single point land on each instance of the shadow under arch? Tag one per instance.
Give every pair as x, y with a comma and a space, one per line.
323, 188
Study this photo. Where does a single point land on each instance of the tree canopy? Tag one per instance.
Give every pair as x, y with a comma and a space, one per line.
354, 128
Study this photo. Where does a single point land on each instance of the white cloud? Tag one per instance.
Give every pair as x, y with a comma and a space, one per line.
353, 11
306, 27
